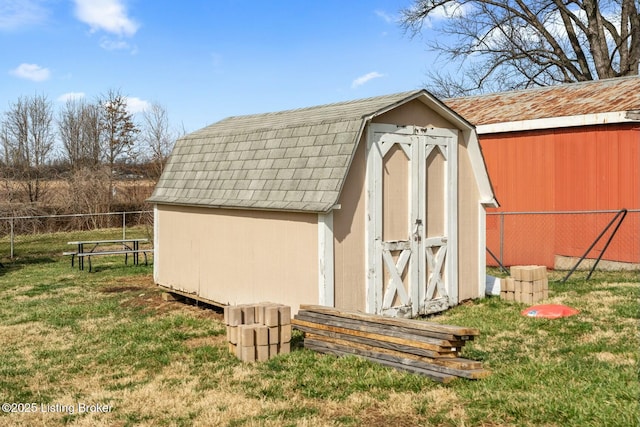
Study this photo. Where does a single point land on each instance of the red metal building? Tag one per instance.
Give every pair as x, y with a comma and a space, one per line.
573, 147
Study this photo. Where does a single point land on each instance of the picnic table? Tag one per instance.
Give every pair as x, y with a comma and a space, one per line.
90, 248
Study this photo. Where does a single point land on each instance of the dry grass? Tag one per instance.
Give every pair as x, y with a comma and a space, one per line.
108, 338
142, 397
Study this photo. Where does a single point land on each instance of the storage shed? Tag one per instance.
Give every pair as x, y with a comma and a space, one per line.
375, 205
565, 148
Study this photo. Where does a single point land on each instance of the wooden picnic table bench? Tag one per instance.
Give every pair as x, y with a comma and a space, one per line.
96, 248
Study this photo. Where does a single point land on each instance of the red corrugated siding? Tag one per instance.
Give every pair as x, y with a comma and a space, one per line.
575, 169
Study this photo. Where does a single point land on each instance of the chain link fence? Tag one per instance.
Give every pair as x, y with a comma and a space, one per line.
21, 231
559, 240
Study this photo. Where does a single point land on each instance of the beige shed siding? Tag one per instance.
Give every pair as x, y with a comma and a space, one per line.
435, 222
349, 236
414, 113
468, 223
239, 256
396, 213
396, 195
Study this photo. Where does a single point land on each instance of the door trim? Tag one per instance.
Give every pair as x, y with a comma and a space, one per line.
373, 227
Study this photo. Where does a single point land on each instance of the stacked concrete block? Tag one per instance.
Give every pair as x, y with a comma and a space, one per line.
258, 332
527, 284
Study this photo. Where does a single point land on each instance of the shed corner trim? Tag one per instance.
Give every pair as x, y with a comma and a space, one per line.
326, 282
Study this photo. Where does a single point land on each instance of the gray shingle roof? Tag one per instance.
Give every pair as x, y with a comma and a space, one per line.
294, 160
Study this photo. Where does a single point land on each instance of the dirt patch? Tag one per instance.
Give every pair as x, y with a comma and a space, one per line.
152, 301
139, 281
116, 289
378, 417
146, 296
129, 284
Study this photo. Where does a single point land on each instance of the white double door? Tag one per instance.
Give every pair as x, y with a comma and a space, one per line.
411, 220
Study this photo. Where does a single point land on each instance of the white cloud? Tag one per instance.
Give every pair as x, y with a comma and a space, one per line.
110, 44
444, 12
71, 95
106, 15
389, 19
32, 72
15, 14
137, 105
451, 10
365, 78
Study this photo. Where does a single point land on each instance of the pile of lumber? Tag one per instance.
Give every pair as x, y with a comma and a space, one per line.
417, 346
258, 332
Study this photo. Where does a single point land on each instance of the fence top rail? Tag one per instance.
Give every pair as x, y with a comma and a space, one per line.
563, 212
7, 218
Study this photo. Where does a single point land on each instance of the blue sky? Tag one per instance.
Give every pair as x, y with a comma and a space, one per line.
208, 59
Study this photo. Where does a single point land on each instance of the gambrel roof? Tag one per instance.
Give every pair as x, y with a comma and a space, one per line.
294, 160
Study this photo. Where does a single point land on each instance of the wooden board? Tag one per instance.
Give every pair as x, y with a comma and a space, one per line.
455, 363
371, 326
437, 376
397, 361
374, 339
376, 328
405, 323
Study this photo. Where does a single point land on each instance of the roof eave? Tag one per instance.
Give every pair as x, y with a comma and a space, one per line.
560, 122
246, 208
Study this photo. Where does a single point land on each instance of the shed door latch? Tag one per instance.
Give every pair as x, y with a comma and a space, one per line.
416, 232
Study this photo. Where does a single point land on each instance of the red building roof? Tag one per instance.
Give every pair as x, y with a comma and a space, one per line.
599, 97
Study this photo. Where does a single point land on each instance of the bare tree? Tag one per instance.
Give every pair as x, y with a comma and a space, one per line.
118, 131
27, 137
79, 130
91, 131
9, 189
88, 191
509, 44
157, 136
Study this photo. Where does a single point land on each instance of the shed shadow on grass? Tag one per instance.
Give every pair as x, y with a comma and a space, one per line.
112, 266
120, 289
19, 263
115, 263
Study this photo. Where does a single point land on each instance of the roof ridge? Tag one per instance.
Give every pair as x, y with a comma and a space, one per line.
203, 135
328, 105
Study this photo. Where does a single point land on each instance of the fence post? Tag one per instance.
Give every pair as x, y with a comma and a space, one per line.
124, 225
501, 239
11, 238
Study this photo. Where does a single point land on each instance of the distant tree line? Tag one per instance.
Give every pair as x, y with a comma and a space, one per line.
89, 145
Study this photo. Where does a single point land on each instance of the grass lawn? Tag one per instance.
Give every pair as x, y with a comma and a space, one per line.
71, 339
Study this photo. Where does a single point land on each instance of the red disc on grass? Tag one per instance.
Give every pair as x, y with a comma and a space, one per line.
549, 311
